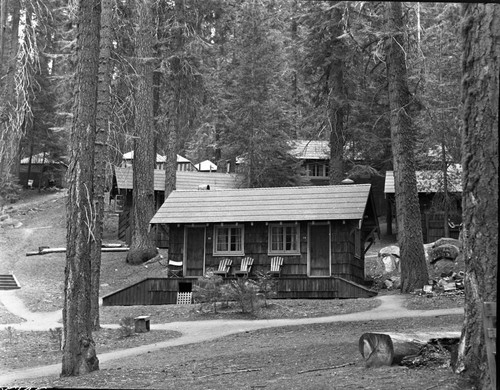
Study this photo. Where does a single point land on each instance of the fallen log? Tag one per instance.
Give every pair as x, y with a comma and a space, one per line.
385, 349
43, 250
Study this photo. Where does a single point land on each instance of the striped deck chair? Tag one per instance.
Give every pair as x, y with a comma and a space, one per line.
224, 266
276, 264
245, 268
174, 269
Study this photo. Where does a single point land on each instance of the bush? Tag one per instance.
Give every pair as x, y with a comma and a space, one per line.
267, 285
208, 291
243, 291
9, 189
127, 327
56, 336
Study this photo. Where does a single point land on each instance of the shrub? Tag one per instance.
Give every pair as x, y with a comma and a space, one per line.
208, 291
127, 327
244, 292
56, 336
267, 285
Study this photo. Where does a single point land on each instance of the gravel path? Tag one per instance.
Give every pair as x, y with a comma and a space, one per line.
198, 331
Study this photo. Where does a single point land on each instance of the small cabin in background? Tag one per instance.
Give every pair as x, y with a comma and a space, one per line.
206, 166
183, 164
322, 233
315, 158
40, 170
185, 180
430, 185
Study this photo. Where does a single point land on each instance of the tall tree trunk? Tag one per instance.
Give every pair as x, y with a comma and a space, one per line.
480, 94
414, 272
142, 247
79, 355
101, 152
175, 122
10, 127
336, 101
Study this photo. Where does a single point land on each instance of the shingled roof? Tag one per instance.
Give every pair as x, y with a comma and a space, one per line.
314, 203
185, 180
430, 181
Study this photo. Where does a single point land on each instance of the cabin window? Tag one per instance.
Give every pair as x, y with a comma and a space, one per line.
228, 240
317, 169
284, 239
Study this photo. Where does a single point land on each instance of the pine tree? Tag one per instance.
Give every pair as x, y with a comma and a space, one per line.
142, 247
414, 272
480, 86
79, 355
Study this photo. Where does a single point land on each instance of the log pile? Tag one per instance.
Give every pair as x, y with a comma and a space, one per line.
410, 350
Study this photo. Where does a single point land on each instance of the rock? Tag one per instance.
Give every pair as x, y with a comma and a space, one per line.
444, 267
445, 251
3, 217
427, 248
447, 241
389, 256
389, 250
396, 282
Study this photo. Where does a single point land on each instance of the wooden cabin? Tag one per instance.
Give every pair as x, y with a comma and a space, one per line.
429, 185
322, 232
40, 170
185, 180
183, 164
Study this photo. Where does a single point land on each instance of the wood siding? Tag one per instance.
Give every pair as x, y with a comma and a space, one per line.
344, 263
151, 291
163, 291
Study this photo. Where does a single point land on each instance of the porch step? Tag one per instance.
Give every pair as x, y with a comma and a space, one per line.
8, 282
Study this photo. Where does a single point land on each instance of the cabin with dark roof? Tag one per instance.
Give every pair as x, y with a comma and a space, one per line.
321, 232
430, 188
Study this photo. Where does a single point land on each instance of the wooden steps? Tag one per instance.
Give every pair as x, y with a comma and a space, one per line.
8, 282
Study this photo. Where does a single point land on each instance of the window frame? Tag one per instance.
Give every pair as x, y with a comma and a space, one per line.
240, 252
283, 252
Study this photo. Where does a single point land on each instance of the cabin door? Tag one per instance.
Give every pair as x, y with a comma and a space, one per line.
318, 255
194, 251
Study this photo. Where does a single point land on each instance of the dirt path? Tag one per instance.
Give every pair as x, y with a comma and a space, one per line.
198, 331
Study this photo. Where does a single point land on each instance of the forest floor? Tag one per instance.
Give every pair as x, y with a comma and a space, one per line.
270, 358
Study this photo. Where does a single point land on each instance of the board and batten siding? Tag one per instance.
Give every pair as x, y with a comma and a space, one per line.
343, 261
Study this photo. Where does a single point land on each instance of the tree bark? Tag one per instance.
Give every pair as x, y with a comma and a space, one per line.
336, 101
79, 355
142, 247
10, 130
480, 87
101, 152
414, 272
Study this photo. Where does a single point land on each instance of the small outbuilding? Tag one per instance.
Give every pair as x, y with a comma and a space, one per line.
430, 188
321, 232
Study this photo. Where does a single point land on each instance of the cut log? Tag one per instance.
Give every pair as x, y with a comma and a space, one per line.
385, 349
46, 250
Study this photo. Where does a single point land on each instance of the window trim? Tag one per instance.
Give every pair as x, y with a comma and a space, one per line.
229, 253
283, 252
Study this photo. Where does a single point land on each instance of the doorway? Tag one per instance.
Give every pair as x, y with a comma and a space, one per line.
194, 251
318, 253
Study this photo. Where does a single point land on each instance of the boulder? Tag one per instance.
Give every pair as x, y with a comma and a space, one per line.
389, 256
448, 241
444, 251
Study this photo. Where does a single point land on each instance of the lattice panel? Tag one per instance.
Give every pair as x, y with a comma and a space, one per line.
184, 298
